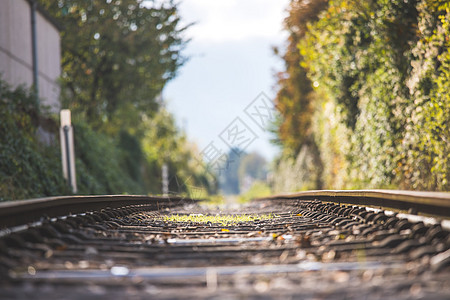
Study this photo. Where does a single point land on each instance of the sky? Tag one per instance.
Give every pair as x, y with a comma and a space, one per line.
221, 96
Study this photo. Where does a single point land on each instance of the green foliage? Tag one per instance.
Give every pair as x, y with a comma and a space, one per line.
295, 99
296, 173
426, 146
380, 75
258, 189
28, 168
253, 166
132, 154
126, 165
116, 56
102, 166
239, 172
162, 144
217, 200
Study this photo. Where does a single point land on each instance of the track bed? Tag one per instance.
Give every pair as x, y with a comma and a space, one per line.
274, 249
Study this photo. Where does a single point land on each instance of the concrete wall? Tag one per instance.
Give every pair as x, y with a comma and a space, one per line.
16, 64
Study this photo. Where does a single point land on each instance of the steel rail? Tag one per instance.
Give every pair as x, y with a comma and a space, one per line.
21, 212
434, 203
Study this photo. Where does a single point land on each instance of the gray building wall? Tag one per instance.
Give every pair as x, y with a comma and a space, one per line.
16, 63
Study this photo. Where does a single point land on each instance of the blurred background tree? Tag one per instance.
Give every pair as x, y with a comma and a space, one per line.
229, 172
241, 171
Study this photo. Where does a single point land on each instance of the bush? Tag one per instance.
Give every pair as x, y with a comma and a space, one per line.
105, 163
28, 168
258, 189
380, 72
102, 165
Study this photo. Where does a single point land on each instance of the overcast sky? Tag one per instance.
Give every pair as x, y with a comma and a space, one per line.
231, 64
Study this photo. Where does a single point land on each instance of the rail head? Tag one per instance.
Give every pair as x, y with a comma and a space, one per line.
14, 213
434, 203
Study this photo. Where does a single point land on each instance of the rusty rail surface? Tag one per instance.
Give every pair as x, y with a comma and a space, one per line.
435, 203
14, 213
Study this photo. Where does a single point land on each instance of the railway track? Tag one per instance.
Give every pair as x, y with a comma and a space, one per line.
311, 245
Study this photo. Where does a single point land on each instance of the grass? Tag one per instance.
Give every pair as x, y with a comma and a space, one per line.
216, 200
223, 220
259, 189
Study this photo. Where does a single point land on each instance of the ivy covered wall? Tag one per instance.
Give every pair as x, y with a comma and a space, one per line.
375, 100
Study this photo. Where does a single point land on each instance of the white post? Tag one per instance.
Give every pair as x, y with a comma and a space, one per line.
67, 149
165, 180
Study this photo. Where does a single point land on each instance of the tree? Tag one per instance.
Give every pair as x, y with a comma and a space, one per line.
229, 173
117, 56
295, 96
253, 165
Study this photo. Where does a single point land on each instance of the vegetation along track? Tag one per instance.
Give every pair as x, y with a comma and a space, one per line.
308, 245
